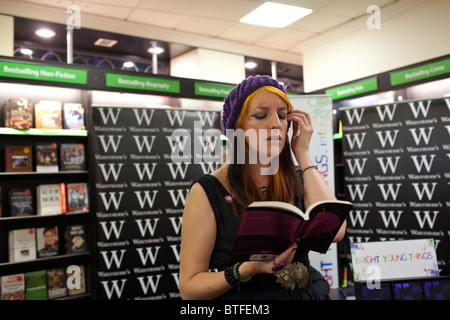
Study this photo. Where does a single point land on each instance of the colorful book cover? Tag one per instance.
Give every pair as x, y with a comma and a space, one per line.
75, 237
13, 287
56, 283
72, 157
22, 245
36, 285
21, 202
18, 114
48, 114
51, 199
47, 157
18, 158
77, 197
47, 241
73, 114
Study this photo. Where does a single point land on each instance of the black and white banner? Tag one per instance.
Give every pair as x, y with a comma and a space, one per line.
397, 173
145, 162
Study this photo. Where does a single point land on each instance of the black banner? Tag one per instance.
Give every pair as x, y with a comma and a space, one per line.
145, 162
397, 173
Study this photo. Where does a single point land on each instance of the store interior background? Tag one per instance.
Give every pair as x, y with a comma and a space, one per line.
203, 39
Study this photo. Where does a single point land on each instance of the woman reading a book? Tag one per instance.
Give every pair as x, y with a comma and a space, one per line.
259, 108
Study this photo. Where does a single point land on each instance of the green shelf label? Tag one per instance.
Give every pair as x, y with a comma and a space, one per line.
142, 83
419, 73
354, 89
210, 90
42, 72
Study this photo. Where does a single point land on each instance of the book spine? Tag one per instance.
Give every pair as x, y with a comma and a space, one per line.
62, 188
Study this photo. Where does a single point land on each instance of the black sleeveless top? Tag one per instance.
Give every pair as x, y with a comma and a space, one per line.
262, 286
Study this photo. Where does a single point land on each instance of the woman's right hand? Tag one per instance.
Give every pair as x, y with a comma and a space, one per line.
250, 268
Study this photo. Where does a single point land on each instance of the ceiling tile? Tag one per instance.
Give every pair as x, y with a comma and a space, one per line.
119, 3
104, 10
160, 19
318, 22
185, 7
284, 37
352, 8
229, 9
247, 33
206, 26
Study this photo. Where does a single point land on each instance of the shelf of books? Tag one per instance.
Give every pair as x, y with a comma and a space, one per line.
44, 198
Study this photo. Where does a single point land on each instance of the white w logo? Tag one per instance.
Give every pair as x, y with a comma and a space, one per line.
422, 134
383, 111
388, 163
355, 138
109, 114
110, 142
207, 116
421, 191
143, 115
353, 114
354, 164
423, 162
420, 107
176, 115
387, 137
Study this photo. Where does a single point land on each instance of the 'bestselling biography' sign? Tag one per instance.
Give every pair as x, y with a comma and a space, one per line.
140, 193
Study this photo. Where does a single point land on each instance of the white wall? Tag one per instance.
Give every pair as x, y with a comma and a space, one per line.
418, 35
6, 35
204, 64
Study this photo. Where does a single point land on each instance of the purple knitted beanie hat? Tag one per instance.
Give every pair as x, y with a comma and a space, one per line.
235, 99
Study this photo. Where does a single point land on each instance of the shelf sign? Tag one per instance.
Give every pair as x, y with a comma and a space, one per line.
42, 72
210, 90
419, 73
142, 83
354, 89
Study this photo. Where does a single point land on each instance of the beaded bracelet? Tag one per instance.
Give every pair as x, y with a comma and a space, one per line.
233, 277
301, 172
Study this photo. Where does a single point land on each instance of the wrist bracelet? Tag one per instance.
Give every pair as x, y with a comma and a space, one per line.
233, 277
309, 167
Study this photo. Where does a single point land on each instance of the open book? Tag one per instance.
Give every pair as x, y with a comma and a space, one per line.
269, 227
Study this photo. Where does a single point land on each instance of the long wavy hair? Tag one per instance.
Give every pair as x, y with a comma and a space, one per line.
284, 185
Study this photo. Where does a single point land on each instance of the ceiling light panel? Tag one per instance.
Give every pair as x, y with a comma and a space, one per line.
275, 15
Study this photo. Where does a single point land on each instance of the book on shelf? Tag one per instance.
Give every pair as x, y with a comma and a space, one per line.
18, 158
47, 157
76, 280
21, 202
36, 285
268, 228
56, 283
75, 238
73, 116
48, 114
72, 157
51, 199
18, 114
77, 197
47, 241
22, 244
13, 287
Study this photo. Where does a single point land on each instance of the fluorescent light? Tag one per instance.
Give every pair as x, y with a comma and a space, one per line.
45, 33
275, 15
128, 64
156, 50
27, 52
250, 65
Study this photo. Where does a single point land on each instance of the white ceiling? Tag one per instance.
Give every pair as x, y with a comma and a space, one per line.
216, 22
